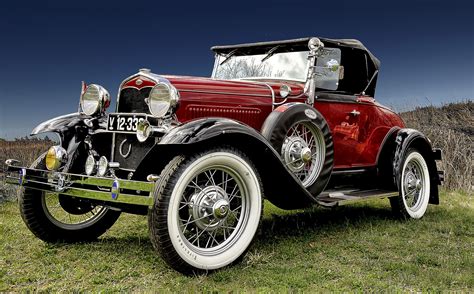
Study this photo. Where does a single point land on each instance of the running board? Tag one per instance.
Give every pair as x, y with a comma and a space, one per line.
332, 198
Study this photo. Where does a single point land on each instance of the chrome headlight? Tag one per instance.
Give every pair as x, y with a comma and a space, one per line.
90, 166
102, 166
144, 130
95, 99
55, 157
163, 97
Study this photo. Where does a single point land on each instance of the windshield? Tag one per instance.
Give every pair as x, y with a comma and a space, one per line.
284, 65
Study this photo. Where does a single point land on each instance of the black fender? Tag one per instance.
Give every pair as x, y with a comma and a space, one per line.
277, 124
63, 125
72, 129
410, 138
279, 184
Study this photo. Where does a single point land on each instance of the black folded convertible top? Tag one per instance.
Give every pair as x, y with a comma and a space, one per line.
360, 65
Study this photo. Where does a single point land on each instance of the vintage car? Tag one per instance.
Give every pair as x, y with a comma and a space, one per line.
294, 122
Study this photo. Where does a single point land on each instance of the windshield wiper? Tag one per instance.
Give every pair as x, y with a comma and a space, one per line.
228, 56
270, 53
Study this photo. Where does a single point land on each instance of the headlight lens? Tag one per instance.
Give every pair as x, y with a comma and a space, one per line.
162, 98
95, 99
55, 157
102, 166
143, 130
90, 165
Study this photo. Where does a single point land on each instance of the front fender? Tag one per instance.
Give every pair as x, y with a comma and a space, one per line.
62, 125
279, 185
410, 138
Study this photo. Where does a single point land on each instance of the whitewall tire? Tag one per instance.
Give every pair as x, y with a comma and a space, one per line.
414, 187
207, 210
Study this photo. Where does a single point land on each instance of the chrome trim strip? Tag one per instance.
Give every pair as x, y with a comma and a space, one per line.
271, 90
224, 93
348, 171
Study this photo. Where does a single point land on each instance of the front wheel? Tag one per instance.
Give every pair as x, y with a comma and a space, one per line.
207, 210
414, 187
53, 217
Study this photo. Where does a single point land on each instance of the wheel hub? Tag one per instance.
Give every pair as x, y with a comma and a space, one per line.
296, 153
209, 208
220, 208
412, 182
306, 155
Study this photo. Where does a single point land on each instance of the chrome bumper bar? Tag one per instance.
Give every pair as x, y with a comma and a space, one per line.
111, 190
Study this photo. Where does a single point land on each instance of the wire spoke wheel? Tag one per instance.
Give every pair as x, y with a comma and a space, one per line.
208, 210
211, 208
83, 215
414, 181
304, 151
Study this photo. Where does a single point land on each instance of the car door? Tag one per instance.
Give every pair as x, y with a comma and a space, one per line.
347, 120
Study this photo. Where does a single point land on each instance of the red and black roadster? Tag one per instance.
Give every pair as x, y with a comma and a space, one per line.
294, 122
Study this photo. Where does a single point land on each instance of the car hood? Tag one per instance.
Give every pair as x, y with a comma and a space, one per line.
238, 87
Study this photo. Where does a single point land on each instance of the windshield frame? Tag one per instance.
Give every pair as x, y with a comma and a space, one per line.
218, 57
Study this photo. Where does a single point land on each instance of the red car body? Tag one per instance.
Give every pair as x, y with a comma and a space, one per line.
358, 126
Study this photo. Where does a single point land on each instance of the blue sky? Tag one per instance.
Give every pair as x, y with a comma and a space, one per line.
48, 47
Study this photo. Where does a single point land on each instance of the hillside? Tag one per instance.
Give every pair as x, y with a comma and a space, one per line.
451, 128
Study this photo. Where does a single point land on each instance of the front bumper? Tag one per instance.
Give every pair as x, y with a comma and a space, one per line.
101, 189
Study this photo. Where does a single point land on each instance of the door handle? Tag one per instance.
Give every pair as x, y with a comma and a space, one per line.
354, 112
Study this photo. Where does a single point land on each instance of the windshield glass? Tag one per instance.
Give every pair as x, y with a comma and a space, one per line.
284, 65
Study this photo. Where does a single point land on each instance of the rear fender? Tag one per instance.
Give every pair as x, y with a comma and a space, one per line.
280, 185
410, 138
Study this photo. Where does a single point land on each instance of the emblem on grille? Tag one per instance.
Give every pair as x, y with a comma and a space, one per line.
138, 82
115, 190
121, 148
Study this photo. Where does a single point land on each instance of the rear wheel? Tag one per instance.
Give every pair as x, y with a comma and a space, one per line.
207, 210
303, 151
414, 187
303, 138
53, 217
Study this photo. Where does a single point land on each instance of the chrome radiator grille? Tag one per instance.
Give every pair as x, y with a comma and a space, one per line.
132, 100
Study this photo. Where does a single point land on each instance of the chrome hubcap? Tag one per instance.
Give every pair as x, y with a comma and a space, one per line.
306, 155
209, 207
294, 150
220, 208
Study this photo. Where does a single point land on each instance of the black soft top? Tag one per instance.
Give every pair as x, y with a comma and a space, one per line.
360, 65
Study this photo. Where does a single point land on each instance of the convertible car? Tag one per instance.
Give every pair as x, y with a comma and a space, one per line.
294, 122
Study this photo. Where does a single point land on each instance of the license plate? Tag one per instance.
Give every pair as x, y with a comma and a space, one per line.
126, 123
